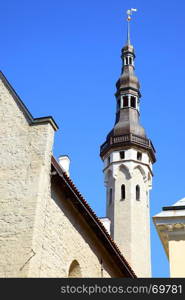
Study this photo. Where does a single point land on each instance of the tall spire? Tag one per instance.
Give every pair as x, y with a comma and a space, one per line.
128, 155
129, 13
127, 122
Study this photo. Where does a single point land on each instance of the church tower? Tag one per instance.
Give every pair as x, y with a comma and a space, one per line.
128, 156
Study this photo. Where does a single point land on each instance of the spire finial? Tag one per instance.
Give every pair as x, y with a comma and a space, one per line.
129, 13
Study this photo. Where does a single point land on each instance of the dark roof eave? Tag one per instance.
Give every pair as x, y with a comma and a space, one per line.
175, 207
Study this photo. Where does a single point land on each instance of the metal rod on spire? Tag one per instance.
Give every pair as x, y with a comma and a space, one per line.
128, 32
129, 13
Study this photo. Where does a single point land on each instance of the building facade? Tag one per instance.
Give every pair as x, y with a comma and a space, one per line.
170, 225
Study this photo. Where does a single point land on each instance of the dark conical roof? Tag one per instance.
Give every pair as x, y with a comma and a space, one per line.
127, 130
127, 119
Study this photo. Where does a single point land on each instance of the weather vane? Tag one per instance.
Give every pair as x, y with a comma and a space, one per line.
129, 14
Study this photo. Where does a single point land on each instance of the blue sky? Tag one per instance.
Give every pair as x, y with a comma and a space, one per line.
63, 59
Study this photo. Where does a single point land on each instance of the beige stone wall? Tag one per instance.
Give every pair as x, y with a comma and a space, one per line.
25, 158
176, 254
68, 238
170, 225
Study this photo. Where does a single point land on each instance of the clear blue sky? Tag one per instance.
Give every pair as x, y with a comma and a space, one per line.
63, 59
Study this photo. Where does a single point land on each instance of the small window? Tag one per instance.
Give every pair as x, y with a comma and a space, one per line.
110, 196
137, 192
125, 101
126, 60
133, 102
108, 160
122, 192
130, 60
75, 270
122, 154
139, 156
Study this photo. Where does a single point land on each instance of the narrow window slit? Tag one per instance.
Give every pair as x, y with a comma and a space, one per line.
137, 192
123, 192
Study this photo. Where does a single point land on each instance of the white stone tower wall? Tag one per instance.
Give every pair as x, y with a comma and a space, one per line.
130, 227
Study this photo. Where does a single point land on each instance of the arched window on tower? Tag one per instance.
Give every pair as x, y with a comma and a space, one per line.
125, 101
122, 154
123, 192
126, 60
130, 60
133, 101
137, 192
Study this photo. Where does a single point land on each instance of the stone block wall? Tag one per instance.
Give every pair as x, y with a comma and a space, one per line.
25, 159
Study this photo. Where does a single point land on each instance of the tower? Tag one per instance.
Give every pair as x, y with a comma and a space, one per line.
128, 156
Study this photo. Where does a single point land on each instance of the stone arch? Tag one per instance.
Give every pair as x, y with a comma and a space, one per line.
108, 177
149, 180
140, 168
75, 270
125, 170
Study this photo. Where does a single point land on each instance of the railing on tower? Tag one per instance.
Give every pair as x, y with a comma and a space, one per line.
127, 138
